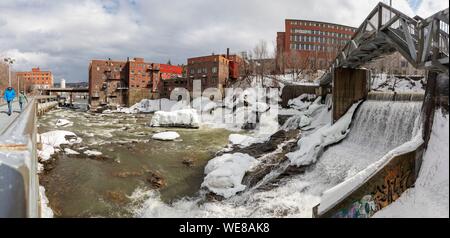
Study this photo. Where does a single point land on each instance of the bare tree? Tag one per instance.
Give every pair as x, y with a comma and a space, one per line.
260, 54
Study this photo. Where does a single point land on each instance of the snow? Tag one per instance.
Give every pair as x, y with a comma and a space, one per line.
224, 173
166, 136
92, 153
181, 118
46, 211
53, 139
301, 102
63, 123
430, 195
313, 144
149, 106
242, 140
203, 104
385, 82
70, 152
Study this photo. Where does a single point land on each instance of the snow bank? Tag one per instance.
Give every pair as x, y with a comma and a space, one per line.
166, 136
63, 123
337, 193
53, 139
430, 195
181, 118
224, 173
301, 102
149, 106
311, 145
203, 104
46, 211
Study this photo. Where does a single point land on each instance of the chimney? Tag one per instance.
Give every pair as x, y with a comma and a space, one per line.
228, 53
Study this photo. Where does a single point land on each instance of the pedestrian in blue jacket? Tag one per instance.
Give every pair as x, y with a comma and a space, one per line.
9, 96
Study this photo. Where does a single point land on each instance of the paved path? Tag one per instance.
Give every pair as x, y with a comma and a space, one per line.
6, 120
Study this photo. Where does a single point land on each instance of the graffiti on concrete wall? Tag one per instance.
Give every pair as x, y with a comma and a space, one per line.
380, 193
395, 183
363, 208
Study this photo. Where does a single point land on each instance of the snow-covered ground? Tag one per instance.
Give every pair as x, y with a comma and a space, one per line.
430, 195
385, 83
52, 140
46, 211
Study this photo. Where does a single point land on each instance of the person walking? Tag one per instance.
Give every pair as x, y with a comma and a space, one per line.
9, 96
22, 99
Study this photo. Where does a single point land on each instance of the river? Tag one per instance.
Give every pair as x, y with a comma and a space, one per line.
79, 186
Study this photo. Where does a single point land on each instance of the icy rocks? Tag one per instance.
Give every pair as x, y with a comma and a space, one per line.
224, 173
63, 123
166, 136
92, 153
187, 118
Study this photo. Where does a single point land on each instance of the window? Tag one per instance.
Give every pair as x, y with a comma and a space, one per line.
199, 71
214, 70
205, 70
192, 71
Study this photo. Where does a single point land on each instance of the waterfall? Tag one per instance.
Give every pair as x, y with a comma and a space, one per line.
378, 127
395, 96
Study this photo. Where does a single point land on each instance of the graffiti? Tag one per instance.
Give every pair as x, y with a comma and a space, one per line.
363, 208
395, 183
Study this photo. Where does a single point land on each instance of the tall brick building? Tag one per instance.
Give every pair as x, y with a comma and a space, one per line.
34, 79
310, 44
127, 82
213, 70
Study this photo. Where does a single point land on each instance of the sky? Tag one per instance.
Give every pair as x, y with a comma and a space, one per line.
63, 36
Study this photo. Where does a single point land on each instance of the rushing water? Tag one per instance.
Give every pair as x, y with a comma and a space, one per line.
81, 187
377, 128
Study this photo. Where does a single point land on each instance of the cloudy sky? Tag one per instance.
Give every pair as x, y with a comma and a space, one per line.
63, 36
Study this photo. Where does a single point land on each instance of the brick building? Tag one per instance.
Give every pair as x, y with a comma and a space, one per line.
32, 80
127, 82
310, 44
216, 71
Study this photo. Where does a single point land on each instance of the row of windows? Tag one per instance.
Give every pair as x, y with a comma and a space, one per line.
28, 78
322, 33
318, 39
309, 47
302, 23
203, 70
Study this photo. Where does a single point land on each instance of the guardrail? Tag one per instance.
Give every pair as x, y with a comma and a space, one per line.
19, 183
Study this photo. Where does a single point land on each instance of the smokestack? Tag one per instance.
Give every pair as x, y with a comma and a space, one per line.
228, 53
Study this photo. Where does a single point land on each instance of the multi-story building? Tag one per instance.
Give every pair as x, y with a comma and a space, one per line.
127, 82
214, 71
310, 44
34, 79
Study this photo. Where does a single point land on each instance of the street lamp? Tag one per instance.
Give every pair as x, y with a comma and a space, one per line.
10, 62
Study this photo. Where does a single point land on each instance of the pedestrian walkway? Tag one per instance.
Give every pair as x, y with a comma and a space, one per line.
6, 120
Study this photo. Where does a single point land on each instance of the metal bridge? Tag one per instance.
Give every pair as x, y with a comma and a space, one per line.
423, 42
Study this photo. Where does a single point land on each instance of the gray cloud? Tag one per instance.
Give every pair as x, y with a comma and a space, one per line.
64, 35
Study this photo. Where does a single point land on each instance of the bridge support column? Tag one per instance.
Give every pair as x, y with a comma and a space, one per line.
349, 86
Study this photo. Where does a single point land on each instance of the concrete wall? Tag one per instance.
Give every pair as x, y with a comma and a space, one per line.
292, 91
349, 86
380, 190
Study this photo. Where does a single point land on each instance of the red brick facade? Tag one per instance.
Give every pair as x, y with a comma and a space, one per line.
214, 71
127, 82
317, 43
33, 79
